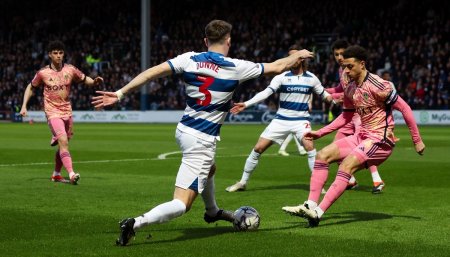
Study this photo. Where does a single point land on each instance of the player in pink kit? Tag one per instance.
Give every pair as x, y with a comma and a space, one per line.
56, 78
350, 128
373, 98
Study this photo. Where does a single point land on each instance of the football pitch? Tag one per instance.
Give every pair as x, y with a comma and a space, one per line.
126, 169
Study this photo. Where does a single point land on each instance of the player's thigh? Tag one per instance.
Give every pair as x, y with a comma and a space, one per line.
68, 125
196, 163
337, 150
372, 152
277, 131
58, 128
351, 164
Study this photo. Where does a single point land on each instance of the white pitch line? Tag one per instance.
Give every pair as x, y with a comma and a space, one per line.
94, 161
160, 157
164, 155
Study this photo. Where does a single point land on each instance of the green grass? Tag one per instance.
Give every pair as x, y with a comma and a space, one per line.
41, 218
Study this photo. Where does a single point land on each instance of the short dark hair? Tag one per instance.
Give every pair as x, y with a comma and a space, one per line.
339, 44
55, 45
217, 30
356, 52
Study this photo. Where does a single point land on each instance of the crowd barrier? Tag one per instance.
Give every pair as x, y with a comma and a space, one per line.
423, 117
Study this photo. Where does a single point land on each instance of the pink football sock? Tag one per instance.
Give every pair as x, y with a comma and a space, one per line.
67, 161
318, 178
336, 190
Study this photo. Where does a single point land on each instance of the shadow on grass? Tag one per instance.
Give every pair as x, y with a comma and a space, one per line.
201, 232
358, 216
304, 187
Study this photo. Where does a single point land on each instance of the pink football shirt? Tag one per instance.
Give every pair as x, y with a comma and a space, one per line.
57, 89
370, 100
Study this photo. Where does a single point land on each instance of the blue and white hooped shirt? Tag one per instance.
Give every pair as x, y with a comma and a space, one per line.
295, 94
210, 79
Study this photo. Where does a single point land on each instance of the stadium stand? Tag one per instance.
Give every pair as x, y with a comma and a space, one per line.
411, 41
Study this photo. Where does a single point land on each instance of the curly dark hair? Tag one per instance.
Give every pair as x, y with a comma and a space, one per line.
55, 45
356, 52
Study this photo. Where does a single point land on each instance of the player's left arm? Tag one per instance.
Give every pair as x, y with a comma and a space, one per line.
274, 85
399, 104
88, 81
320, 91
80, 77
110, 98
286, 63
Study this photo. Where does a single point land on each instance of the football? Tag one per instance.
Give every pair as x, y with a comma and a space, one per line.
246, 218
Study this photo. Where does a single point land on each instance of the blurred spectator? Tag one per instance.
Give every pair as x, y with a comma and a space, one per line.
411, 41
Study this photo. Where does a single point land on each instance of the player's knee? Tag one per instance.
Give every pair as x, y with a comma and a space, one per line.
322, 156
348, 167
63, 143
188, 208
259, 149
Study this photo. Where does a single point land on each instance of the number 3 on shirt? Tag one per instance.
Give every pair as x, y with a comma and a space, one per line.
207, 81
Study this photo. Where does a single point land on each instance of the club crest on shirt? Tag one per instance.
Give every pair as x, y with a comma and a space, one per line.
365, 96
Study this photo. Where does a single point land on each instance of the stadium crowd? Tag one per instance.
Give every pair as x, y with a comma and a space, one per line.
411, 42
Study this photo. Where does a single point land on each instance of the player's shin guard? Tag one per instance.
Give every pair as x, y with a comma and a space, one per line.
335, 191
318, 178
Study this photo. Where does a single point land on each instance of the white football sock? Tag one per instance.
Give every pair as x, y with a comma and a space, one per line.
56, 173
352, 179
319, 212
298, 143
311, 159
250, 165
286, 142
161, 213
311, 204
376, 177
209, 198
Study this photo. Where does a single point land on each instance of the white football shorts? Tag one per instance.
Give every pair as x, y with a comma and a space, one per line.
278, 130
196, 163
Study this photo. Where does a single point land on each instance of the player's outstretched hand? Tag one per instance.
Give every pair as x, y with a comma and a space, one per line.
311, 135
23, 112
98, 81
237, 108
304, 54
104, 99
420, 148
